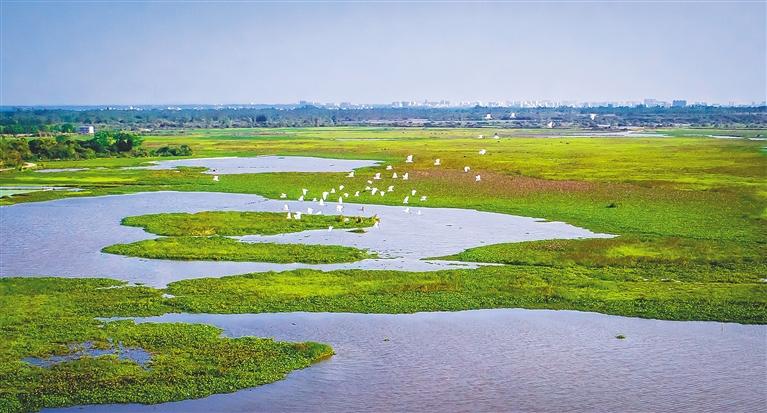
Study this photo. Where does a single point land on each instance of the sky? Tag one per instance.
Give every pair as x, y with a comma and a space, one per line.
187, 52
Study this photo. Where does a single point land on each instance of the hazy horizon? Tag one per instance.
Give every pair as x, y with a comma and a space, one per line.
172, 53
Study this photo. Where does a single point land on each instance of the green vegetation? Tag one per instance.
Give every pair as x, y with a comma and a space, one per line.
40, 317
219, 248
106, 143
690, 214
231, 223
637, 292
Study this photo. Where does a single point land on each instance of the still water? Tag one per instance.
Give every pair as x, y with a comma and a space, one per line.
495, 361
67, 236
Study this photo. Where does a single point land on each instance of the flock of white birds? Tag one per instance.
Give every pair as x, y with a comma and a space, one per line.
320, 201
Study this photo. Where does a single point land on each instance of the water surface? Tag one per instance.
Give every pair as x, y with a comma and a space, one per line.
263, 164
496, 360
67, 236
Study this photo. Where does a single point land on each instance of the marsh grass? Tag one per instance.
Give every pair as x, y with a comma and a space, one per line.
233, 223
219, 248
40, 317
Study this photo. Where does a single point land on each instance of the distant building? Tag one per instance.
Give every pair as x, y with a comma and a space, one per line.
86, 130
679, 103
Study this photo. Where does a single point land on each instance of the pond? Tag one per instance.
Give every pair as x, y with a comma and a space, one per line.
65, 237
263, 164
495, 360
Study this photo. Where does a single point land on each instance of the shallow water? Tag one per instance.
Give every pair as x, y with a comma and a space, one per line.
263, 164
496, 360
137, 355
54, 170
65, 237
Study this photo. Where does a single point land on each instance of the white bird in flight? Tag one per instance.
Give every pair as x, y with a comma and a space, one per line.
215, 178
388, 167
390, 189
283, 195
357, 193
340, 187
406, 176
351, 175
409, 159
297, 215
423, 198
437, 162
377, 176
477, 178
373, 191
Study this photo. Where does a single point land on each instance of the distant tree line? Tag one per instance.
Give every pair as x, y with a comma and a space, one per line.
105, 143
44, 122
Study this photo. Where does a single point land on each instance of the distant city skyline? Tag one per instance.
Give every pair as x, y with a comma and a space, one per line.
177, 53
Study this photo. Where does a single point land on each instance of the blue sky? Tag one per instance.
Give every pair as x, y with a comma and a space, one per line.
239, 52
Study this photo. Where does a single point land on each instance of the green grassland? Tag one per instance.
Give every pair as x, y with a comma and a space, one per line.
41, 316
689, 212
219, 248
232, 223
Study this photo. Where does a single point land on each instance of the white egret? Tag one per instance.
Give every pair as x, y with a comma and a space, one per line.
357, 193
377, 176
322, 202
390, 188
340, 200
346, 194
373, 191
382, 193
283, 195
482, 151
340, 187
406, 176
297, 215
437, 162
367, 188
332, 190
407, 210
304, 191
423, 198
339, 208
418, 212
325, 195
550, 125
330, 228
394, 176
314, 199
466, 169
409, 159
351, 175
496, 136
215, 178
388, 167
346, 219
289, 217
412, 193
593, 116
477, 178
405, 201
375, 224
481, 137
301, 198
285, 207
370, 182
309, 211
